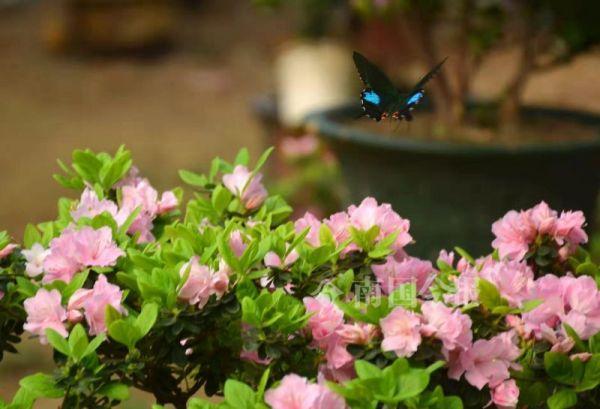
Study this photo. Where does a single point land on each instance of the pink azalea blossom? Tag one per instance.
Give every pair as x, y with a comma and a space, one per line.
393, 273
35, 257
7, 250
401, 332
486, 362
273, 260
75, 250
466, 288
543, 218
514, 232
236, 242
202, 282
295, 392
326, 317
94, 303
569, 227
451, 327
143, 196
309, 221
358, 333
91, 206
168, 202
336, 354
245, 186
252, 356
369, 214
338, 224
513, 279
293, 148
44, 310
506, 395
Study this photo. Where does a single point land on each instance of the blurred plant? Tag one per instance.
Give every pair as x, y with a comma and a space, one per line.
310, 178
315, 16
546, 33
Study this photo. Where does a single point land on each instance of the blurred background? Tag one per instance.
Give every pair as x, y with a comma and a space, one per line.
182, 81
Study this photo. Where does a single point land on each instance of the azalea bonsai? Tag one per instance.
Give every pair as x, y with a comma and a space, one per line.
225, 294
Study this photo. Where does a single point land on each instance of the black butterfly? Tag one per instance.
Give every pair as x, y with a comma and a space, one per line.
381, 99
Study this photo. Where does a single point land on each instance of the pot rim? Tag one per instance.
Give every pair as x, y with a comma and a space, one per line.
324, 124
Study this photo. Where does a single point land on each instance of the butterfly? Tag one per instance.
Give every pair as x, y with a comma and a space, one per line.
381, 99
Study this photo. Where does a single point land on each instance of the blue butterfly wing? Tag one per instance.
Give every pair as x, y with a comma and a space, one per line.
380, 93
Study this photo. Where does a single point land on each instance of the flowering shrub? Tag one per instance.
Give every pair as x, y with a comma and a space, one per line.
132, 289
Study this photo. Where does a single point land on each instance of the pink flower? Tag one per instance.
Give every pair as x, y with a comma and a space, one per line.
197, 288
245, 186
143, 196
369, 214
401, 332
168, 202
453, 328
336, 354
91, 206
309, 220
506, 395
338, 224
514, 232
35, 259
393, 273
295, 392
569, 227
236, 242
303, 146
252, 356
466, 287
326, 317
513, 279
544, 218
487, 361
202, 282
75, 250
44, 310
273, 260
7, 250
94, 303
358, 333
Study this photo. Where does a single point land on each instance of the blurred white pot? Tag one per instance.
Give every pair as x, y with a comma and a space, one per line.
313, 76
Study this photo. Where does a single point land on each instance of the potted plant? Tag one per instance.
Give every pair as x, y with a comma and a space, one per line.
131, 289
312, 71
438, 169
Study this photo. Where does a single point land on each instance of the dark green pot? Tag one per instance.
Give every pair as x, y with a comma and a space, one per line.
452, 193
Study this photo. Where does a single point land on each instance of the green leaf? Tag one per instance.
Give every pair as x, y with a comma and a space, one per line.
239, 395
145, 321
115, 391
564, 398
124, 333
559, 367
489, 296
193, 179
58, 342
366, 370
94, 344
42, 385
594, 343
412, 383
78, 342
75, 284
261, 161
463, 253
531, 305
262, 385
591, 375
242, 158
31, 236
575, 337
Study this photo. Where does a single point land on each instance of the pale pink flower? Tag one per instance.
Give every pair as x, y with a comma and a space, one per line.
91, 206
44, 310
295, 392
369, 213
506, 395
358, 333
451, 327
94, 303
131, 179
544, 218
514, 232
168, 202
582, 356
513, 279
75, 250
338, 224
401, 332
487, 362
252, 356
309, 221
236, 242
336, 354
393, 273
220, 280
7, 250
569, 227
466, 287
197, 288
35, 257
143, 196
293, 148
326, 317
273, 260
246, 187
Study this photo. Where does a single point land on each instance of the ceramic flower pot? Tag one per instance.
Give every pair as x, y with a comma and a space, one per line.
453, 192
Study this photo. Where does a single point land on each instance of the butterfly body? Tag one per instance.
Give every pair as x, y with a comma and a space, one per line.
381, 99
